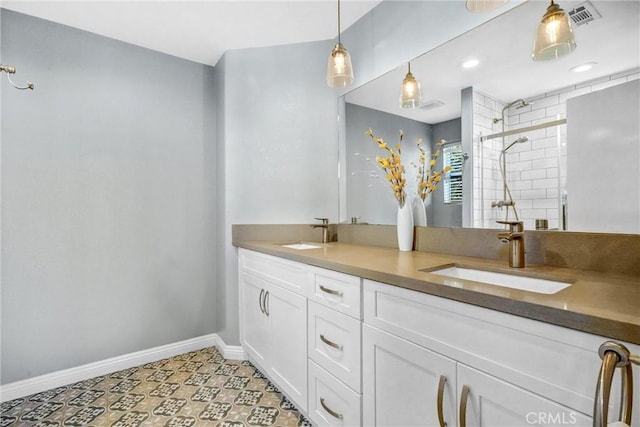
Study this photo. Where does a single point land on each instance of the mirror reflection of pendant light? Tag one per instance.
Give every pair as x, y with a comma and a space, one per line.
554, 37
339, 69
410, 95
479, 6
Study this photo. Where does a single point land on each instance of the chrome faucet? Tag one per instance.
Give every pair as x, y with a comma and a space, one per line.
515, 238
325, 229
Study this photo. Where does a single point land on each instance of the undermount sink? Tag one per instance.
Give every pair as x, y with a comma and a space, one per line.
301, 246
523, 283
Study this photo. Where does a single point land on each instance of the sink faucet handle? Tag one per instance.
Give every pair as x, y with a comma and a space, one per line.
325, 221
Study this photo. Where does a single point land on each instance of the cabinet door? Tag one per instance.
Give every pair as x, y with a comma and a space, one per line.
254, 329
288, 315
400, 382
494, 403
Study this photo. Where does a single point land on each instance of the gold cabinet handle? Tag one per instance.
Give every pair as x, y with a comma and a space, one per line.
330, 291
441, 384
266, 303
614, 355
329, 410
330, 343
260, 300
464, 397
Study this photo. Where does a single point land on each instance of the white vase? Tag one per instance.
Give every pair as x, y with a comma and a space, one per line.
419, 212
404, 226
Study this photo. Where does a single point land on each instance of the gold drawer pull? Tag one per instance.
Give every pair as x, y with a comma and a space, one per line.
464, 397
330, 343
329, 410
330, 291
441, 384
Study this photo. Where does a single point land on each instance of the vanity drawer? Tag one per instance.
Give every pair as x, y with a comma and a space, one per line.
339, 291
334, 343
331, 403
293, 276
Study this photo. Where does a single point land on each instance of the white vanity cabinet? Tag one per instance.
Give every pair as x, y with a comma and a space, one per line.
500, 369
273, 320
353, 352
409, 385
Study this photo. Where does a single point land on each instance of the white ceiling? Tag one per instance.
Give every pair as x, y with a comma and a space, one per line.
506, 71
200, 31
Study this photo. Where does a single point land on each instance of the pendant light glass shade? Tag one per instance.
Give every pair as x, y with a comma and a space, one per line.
410, 94
554, 37
479, 6
339, 69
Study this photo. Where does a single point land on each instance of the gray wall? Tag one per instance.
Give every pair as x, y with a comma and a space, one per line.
108, 190
280, 147
369, 197
108, 199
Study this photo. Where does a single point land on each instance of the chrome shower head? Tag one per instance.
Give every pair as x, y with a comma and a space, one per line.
523, 104
517, 141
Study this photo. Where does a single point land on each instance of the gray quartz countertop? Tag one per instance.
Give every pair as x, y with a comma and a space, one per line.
599, 303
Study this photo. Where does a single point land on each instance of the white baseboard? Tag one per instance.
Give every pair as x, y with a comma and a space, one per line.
231, 352
103, 367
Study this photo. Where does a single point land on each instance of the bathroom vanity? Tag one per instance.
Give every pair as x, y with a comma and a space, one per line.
361, 335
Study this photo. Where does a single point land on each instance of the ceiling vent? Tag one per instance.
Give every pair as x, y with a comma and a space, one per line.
584, 13
431, 104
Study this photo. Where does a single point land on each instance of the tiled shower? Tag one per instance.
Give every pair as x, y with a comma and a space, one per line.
536, 170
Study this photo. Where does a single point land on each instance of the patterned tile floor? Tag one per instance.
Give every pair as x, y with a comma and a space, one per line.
200, 388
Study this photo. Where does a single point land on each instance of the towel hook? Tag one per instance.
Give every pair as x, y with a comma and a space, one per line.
12, 70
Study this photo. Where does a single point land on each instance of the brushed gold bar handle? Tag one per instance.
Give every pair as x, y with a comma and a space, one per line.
626, 406
330, 291
441, 385
464, 397
603, 390
329, 410
614, 355
330, 343
261, 300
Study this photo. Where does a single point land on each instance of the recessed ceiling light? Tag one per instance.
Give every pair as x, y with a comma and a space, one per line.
582, 67
470, 63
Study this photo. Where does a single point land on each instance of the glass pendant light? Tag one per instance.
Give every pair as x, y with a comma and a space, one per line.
554, 37
339, 69
410, 95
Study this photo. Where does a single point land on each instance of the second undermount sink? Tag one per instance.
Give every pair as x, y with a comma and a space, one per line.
523, 283
301, 246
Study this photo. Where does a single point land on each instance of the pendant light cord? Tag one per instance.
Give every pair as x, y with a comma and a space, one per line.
338, 21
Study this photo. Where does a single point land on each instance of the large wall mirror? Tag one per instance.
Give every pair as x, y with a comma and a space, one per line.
560, 139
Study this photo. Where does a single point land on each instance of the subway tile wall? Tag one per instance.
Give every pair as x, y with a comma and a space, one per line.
536, 170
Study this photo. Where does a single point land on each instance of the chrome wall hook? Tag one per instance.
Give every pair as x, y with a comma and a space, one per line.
12, 70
